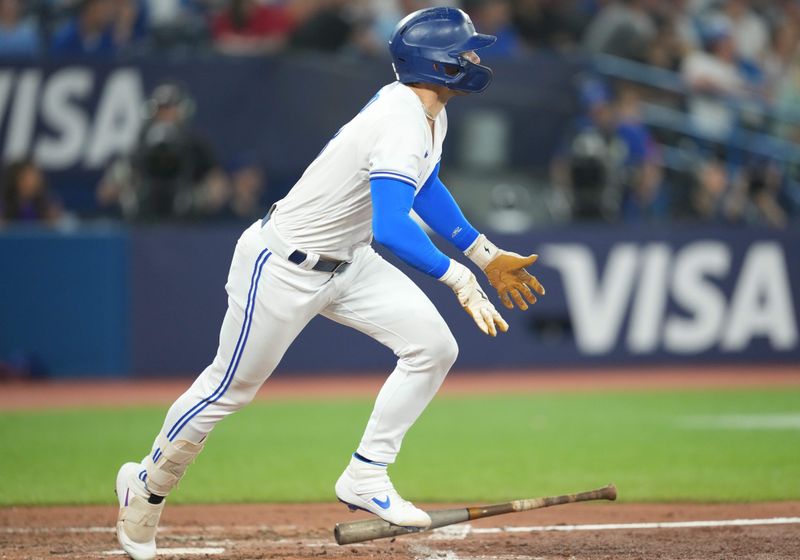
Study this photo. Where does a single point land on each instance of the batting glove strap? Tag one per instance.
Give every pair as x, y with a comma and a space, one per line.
456, 276
482, 251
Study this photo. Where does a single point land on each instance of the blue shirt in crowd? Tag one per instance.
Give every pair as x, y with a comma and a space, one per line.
68, 41
19, 41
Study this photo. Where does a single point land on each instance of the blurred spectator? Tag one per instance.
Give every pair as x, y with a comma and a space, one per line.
591, 166
676, 36
666, 51
25, 195
172, 172
681, 18
764, 185
179, 24
494, 17
247, 185
645, 199
89, 32
175, 12
713, 75
632, 130
332, 27
19, 36
779, 58
623, 28
548, 24
165, 12
131, 21
718, 198
246, 27
243, 201
749, 30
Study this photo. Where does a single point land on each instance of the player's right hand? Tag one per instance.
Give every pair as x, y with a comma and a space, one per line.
473, 299
506, 272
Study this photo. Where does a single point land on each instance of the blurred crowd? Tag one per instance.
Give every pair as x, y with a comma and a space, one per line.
733, 88
105, 28
737, 42
694, 114
612, 167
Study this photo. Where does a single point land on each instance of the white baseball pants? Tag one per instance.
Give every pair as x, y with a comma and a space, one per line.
270, 300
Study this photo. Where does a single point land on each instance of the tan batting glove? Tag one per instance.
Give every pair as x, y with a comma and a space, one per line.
506, 272
472, 299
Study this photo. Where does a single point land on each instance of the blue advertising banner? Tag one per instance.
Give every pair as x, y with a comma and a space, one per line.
64, 306
150, 302
614, 296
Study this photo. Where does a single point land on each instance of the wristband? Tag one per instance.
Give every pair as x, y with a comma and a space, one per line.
482, 251
456, 276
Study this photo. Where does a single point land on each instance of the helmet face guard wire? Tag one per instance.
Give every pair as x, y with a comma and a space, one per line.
469, 77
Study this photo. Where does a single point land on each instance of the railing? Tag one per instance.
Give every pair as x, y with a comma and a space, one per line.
739, 137
667, 80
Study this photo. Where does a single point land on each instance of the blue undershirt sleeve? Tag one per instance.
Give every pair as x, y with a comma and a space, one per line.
394, 228
436, 206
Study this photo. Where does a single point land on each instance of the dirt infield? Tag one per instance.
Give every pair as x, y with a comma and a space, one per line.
305, 531
769, 531
105, 393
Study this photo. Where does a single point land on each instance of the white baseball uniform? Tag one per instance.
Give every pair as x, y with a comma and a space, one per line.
328, 214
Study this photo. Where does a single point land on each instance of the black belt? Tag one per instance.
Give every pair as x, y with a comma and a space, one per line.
298, 257
323, 265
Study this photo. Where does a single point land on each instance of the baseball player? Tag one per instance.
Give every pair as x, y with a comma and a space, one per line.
311, 255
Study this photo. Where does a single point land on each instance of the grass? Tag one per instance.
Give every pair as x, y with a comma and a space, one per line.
462, 449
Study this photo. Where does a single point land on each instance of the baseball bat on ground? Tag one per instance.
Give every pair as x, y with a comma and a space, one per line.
367, 530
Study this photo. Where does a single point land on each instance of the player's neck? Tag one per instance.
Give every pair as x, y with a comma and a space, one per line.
433, 97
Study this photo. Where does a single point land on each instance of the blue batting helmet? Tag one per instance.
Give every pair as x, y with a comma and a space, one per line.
428, 45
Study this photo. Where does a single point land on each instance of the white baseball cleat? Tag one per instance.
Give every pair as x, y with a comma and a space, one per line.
366, 486
137, 522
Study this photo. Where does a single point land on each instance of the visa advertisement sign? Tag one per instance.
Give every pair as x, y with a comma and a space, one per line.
703, 296
72, 117
615, 297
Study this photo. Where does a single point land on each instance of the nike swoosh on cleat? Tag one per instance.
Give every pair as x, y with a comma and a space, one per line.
383, 504
127, 491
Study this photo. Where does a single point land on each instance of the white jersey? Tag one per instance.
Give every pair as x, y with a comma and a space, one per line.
329, 210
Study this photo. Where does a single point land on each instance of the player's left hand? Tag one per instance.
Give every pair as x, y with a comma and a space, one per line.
474, 301
507, 274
